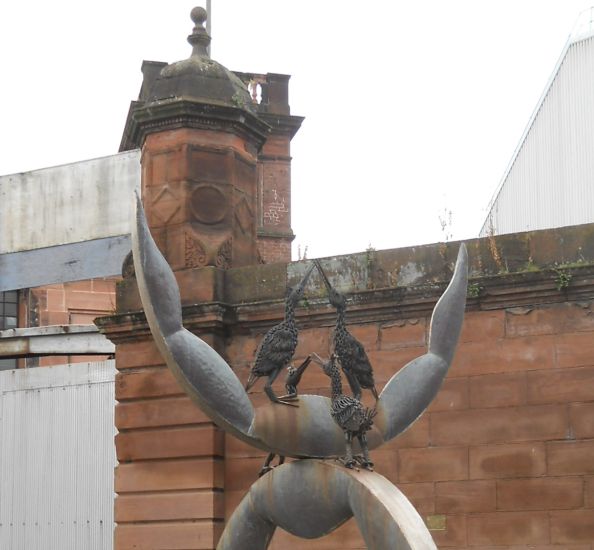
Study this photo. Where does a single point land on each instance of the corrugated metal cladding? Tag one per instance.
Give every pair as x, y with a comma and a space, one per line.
550, 181
57, 457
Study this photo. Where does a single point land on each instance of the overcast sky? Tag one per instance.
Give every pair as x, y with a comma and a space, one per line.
412, 108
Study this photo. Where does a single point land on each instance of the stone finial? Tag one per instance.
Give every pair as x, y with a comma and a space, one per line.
199, 39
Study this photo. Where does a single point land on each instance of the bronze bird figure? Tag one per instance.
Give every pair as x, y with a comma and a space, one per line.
350, 415
278, 345
294, 377
349, 351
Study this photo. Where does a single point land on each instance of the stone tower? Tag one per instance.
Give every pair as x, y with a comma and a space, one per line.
216, 190
215, 159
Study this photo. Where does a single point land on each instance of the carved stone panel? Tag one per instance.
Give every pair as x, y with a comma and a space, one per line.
208, 204
195, 252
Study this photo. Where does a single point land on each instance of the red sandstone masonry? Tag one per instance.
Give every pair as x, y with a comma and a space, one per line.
158, 412
573, 526
551, 493
175, 474
505, 355
557, 319
481, 326
589, 492
197, 535
503, 528
181, 505
581, 417
570, 457
483, 426
508, 461
203, 440
156, 382
433, 464
561, 385
453, 395
403, 334
498, 390
455, 497
575, 350
138, 354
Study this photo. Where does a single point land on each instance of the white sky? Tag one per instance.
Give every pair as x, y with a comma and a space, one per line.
411, 108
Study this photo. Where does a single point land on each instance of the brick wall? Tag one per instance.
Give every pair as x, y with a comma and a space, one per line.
502, 459
274, 250
170, 476
78, 302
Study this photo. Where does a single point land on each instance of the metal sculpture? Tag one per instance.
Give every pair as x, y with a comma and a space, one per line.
351, 353
350, 415
311, 498
307, 431
294, 377
278, 346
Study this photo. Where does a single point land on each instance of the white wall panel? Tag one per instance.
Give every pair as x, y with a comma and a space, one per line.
68, 204
57, 457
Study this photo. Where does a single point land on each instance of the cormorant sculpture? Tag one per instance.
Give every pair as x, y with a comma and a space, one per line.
350, 415
294, 377
278, 345
349, 351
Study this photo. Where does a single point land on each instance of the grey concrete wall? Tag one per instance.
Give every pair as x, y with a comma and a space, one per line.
67, 204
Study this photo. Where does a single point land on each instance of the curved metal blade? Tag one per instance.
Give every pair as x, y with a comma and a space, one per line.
409, 392
201, 371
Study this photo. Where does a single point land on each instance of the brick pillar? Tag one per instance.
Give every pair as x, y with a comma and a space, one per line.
274, 170
199, 194
200, 139
170, 476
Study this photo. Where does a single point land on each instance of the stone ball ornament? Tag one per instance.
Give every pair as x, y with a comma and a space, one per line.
307, 498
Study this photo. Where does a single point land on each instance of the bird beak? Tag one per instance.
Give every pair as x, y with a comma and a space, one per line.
321, 272
307, 274
317, 359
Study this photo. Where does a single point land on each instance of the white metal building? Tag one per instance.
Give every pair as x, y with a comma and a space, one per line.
549, 181
57, 457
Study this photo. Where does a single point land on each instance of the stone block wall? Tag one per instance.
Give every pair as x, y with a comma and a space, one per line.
501, 459
77, 302
170, 477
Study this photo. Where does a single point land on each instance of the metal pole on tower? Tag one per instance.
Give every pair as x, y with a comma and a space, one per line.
209, 22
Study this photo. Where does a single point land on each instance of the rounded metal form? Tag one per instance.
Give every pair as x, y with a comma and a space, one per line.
311, 498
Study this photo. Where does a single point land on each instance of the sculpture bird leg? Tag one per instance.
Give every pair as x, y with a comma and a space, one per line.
267, 467
364, 460
270, 392
348, 459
